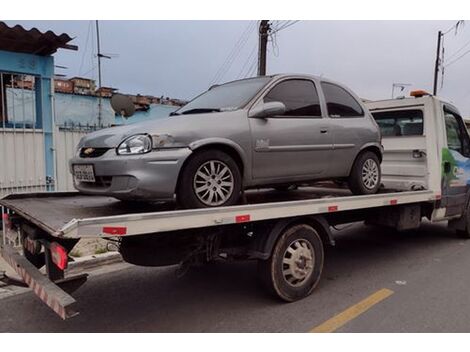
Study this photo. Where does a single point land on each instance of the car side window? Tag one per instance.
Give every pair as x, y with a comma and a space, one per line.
339, 102
457, 139
298, 95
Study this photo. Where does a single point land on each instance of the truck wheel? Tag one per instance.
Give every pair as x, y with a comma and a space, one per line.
295, 266
465, 233
211, 178
365, 174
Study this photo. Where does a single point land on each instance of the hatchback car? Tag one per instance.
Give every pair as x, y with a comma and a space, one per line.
270, 131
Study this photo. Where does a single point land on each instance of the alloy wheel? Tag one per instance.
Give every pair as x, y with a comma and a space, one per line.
213, 183
370, 174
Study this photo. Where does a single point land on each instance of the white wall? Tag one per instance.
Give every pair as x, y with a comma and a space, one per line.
22, 166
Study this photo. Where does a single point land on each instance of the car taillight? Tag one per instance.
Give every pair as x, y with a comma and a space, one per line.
59, 255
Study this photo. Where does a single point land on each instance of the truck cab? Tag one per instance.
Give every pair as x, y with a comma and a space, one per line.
427, 146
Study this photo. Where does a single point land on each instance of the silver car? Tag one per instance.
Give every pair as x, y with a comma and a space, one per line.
272, 131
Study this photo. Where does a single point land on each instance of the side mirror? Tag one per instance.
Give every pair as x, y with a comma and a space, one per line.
264, 110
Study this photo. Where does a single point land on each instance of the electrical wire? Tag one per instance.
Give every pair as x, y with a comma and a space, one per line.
287, 25
455, 26
459, 50
247, 61
457, 59
85, 48
234, 53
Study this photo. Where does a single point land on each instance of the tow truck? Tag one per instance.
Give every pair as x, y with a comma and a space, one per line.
425, 175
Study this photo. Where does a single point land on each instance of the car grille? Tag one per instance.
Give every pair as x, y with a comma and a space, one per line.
92, 152
100, 182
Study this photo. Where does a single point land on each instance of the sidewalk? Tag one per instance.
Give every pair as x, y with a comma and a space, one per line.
4, 267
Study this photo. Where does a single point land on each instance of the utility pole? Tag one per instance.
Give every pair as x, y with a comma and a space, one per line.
438, 62
262, 47
99, 73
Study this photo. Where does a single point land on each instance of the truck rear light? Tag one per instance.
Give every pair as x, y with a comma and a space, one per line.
59, 255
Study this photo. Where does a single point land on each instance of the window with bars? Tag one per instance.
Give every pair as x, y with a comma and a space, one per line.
18, 100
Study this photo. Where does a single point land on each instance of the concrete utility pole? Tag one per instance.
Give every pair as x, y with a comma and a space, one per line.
438, 61
99, 72
263, 43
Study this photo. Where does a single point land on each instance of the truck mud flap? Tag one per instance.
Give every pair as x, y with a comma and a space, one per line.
49, 292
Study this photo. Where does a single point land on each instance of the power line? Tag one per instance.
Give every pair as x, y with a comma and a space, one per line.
459, 50
455, 26
248, 59
85, 48
287, 25
227, 64
457, 59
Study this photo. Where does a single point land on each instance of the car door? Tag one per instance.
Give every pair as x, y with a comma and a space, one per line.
455, 164
349, 126
297, 144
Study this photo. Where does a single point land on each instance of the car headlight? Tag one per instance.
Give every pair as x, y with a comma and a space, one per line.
138, 144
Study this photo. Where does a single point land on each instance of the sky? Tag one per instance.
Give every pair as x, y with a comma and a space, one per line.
181, 59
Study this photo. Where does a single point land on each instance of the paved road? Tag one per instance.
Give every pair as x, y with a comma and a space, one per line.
427, 270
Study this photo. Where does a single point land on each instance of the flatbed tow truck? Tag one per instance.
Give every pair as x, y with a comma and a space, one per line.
425, 170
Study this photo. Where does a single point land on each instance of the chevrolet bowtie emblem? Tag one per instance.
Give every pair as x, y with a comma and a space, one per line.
88, 151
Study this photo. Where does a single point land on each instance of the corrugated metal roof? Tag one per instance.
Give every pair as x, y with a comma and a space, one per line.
32, 41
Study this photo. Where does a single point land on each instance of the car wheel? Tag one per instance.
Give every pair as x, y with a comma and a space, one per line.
296, 263
211, 178
366, 174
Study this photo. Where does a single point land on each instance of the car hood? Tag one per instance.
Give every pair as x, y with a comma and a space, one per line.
184, 128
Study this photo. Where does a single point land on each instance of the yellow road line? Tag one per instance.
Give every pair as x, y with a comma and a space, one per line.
352, 312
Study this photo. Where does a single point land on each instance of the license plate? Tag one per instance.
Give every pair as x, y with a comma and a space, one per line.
83, 173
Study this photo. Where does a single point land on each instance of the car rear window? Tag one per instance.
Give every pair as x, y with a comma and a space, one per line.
400, 123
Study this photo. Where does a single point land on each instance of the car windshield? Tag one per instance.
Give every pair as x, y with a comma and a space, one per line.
226, 97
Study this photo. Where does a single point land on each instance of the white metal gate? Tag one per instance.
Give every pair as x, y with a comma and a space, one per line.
66, 139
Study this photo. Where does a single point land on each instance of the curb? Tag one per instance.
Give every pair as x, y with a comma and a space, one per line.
93, 261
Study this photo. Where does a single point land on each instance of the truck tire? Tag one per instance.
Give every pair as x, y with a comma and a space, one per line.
465, 233
365, 174
213, 171
296, 263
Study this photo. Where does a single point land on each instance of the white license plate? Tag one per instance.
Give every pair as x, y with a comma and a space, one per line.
83, 173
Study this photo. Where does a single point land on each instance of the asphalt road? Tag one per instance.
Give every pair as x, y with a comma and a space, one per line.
427, 271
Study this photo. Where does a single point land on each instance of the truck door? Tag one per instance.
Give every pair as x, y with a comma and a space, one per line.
455, 164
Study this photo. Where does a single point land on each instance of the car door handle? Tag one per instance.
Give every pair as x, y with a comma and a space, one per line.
323, 130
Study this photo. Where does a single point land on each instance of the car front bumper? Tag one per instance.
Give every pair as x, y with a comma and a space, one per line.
150, 176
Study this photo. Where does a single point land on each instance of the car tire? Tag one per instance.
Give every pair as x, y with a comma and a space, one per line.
366, 174
276, 275
213, 169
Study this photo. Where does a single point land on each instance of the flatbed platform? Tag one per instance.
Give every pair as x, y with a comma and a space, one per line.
75, 215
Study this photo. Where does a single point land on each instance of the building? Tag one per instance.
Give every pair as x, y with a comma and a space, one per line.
63, 86
105, 92
22, 82
26, 105
83, 86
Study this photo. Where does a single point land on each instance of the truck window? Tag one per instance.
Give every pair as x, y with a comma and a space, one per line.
400, 123
457, 139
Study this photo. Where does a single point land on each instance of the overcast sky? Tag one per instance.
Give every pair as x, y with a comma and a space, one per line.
182, 58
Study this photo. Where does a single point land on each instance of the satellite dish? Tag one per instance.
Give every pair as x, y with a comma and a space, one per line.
122, 105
